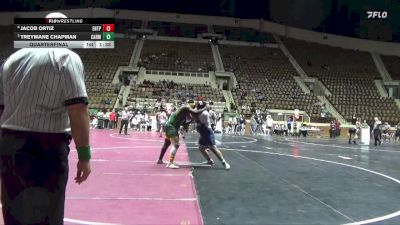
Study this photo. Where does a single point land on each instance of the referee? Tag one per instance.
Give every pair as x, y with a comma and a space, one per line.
43, 106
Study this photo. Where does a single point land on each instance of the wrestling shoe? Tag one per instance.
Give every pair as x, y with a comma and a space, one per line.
172, 166
226, 165
211, 162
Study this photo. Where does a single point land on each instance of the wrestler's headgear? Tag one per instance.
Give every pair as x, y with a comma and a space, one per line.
200, 105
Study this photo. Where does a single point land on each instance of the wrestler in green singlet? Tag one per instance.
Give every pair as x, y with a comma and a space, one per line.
177, 119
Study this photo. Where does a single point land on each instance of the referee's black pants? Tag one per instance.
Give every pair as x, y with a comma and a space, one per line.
352, 135
377, 136
34, 174
124, 123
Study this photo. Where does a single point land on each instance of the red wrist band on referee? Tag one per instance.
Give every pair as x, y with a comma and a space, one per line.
84, 153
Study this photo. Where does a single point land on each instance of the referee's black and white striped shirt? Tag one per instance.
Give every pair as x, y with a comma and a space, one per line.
36, 85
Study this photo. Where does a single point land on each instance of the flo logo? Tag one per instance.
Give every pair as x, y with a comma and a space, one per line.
377, 14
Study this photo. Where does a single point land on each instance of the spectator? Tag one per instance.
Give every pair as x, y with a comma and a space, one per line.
284, 129
270, 124
113, 120
107, 101
276, 129
94, 123
107, 119
304, 130
377, 131
242, 122
289, 124
332, 130
337, 126
100, 116
397, 133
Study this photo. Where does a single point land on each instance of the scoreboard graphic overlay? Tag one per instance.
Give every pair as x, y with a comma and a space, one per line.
90, 33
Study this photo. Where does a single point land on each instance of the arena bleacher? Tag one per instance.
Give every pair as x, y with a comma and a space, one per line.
146, 94
265, 76
266, 73
177, 29
243, 34
349, 75
177, 56
125, 26
100, 69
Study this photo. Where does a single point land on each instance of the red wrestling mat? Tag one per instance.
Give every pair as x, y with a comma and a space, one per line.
127, 186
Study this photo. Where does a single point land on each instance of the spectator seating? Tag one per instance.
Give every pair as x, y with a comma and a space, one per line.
243, 34
177, 56
266, 72
104, 63
349, 75
123, 26
177, 29
147, 94
324, 61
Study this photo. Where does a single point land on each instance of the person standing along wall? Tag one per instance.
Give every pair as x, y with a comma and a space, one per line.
377, 131
124, 121
107, 119
113, 120
100, 116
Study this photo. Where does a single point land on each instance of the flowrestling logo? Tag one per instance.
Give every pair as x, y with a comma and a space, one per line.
377, 14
